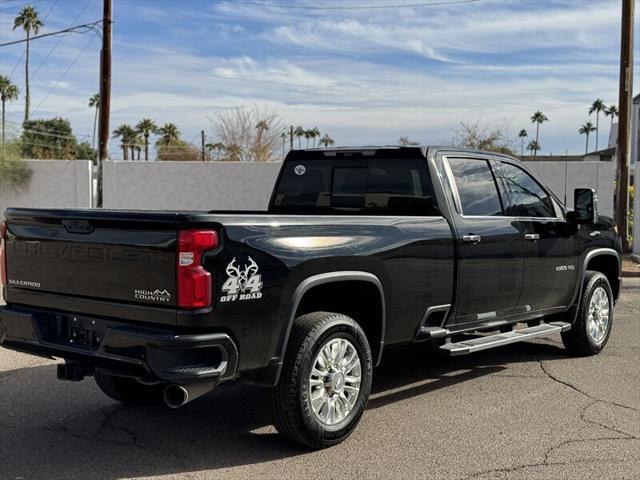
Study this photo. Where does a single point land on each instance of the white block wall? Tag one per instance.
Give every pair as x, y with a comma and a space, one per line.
53, 184
597, 175
188, 185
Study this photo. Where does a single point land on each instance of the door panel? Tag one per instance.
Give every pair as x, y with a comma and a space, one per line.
550, 271
489, 272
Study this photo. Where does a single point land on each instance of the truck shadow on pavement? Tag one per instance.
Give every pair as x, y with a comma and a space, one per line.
51, 429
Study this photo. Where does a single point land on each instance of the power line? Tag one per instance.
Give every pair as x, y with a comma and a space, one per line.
84, 28
11, 7
354, 7
60, 39
24, 52
53, 87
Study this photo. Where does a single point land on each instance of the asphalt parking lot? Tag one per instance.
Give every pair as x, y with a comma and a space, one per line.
523, 411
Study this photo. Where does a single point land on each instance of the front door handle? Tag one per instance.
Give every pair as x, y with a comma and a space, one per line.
471, 238
531, 237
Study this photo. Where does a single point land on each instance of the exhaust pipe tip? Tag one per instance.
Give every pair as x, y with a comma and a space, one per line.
175, 396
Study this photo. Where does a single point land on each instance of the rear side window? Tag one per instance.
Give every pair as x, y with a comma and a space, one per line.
521, 194
373, 186
476, 187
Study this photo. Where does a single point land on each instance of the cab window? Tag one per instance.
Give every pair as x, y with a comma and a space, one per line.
476, 187
522, 195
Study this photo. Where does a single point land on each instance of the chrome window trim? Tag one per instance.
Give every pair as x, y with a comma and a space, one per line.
452, 184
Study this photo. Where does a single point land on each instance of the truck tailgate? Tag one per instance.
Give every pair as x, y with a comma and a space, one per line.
120, 256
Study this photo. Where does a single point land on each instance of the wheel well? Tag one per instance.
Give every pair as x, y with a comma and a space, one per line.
358, 299
607, 265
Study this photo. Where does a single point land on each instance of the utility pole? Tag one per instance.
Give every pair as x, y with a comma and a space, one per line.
202, 138
291, 137
105, 94
624, 124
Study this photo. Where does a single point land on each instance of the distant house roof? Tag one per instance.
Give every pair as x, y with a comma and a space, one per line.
636, 99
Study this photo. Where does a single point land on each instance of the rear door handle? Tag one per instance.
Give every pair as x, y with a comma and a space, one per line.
532, 237
471, 238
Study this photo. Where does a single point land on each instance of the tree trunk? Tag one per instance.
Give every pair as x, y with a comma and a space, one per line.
95, 122
3, 123
535, 154
26, 82
125, 152
133, 152
586, 147
146, 147
597, 128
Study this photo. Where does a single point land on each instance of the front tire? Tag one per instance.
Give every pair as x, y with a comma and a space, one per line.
590, 332
325, 382
129, 391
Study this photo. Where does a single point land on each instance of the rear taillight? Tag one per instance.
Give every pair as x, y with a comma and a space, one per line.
194, 282
3, 257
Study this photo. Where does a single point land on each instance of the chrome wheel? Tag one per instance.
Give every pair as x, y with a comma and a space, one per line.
598, 316
334, 383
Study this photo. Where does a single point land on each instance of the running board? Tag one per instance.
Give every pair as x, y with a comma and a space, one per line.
499, 339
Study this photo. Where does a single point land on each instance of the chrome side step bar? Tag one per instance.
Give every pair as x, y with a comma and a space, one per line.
483, 343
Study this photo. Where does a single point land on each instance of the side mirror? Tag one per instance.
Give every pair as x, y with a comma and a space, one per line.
585, 206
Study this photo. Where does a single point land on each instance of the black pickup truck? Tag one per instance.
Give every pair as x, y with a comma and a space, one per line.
360, 249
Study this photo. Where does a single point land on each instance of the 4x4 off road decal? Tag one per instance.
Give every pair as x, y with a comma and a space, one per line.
243, 283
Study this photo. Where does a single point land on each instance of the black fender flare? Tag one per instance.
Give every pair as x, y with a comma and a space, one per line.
306, 285
591, 254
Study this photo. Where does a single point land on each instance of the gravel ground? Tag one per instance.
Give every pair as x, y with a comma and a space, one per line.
525, 411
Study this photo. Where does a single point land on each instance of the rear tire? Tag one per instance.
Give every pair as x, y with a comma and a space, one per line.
590, 332
325, 382
129, 391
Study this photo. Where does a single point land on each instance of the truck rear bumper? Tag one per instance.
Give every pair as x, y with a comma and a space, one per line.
120, 348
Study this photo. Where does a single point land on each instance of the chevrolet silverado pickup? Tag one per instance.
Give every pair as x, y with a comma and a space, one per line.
360, 249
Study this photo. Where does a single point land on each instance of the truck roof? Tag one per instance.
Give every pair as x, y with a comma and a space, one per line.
381, 150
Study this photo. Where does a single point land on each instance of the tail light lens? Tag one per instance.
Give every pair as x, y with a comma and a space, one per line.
3, 256
194, 282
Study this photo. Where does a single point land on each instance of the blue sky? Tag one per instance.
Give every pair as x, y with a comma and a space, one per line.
363, 75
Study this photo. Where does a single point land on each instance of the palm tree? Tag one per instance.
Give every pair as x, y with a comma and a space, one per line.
533, 146
218, 147
612, 112
29, 21
597, 106
146, 127
522, 135
314, 133
233, 152
299, 132
137, 142
538, 118
326, 140
307, 135
8, 93
586, 128
94, 102
169, 133
127, 138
